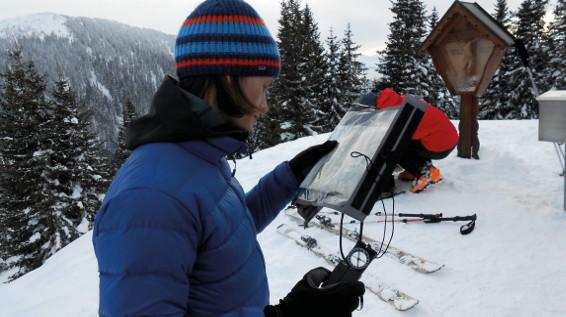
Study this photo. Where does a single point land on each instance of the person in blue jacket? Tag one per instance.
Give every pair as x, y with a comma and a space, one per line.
176, 233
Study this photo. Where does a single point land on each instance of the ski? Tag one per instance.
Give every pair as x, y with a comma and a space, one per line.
394, 297
416, 263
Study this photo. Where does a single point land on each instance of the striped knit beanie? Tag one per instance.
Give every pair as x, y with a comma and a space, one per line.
225, 37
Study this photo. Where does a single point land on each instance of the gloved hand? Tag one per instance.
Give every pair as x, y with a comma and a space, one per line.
308, 299
303, 162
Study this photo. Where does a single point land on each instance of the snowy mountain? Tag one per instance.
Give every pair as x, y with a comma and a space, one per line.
511, 265
105, 61
36, 25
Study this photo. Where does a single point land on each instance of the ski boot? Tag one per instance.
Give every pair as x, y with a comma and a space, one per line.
434, 173
422, 181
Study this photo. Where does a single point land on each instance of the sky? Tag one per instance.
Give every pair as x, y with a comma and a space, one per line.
368, 18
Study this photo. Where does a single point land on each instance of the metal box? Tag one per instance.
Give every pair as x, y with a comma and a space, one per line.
552, 116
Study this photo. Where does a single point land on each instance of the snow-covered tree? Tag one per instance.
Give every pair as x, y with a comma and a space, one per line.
530, 29
291, 92
495, 104
128, 115
352, 72
50, 172
78, 149
332, 107
558, 42
400, 66
312, 67
22, 110
287, 94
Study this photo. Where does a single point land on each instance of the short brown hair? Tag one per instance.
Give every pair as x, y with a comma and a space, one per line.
229, 95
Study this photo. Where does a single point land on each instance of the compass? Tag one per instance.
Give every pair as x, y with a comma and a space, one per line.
358, 258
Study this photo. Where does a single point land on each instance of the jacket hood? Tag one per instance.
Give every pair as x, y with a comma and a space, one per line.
176, 116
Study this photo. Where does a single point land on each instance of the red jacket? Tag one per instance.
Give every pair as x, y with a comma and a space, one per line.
436, 133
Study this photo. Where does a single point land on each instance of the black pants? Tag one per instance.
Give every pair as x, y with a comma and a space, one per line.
416, 156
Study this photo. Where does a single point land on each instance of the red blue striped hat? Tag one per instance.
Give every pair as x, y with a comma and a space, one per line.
226, 37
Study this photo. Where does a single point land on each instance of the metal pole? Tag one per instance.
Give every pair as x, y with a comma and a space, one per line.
564, 175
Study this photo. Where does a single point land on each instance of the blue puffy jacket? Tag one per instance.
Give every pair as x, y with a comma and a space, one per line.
176, 234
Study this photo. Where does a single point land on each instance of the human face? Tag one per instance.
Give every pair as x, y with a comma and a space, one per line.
255, 90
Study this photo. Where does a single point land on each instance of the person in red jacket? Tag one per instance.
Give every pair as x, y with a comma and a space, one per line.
434, 139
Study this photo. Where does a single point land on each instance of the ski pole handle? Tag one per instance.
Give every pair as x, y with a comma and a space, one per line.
457, 218
424, 216
466, 218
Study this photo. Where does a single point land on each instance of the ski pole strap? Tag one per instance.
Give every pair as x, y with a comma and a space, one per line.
423, 216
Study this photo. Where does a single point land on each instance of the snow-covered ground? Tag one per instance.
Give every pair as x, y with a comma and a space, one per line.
513, 264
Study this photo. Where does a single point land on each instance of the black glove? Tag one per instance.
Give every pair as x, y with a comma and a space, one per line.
303, 162
308, 299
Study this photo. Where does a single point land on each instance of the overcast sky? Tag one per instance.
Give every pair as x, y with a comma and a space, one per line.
369, 18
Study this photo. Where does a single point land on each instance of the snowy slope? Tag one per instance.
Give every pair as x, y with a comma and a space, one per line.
511, 265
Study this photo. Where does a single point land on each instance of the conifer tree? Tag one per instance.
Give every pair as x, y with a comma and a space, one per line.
57, 190
530, 29
332, 107
495, 104
352, 72
558, 41
289, 94
400, 65
312, 68
79, 149
22, 109
122, 153
274, 127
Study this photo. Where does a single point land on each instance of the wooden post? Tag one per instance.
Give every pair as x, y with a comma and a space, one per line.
469, 144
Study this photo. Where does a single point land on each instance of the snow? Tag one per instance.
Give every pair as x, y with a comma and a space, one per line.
40, 25
553, 95
72, 120
36, 236
511, 265
77, 191
94, 81
41, 153
83, 226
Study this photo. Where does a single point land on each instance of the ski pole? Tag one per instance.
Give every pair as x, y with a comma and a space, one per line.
424, 216
440, 219
464, 229
524, 55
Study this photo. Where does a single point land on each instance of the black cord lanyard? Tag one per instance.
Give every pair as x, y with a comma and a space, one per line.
381, 252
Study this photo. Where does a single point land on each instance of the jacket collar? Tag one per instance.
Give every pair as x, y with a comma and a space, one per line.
214, 149
178, 116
